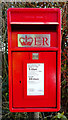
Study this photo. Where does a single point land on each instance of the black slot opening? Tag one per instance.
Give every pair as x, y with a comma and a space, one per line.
19, 27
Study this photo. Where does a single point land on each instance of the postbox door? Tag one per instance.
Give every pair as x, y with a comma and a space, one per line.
21, 99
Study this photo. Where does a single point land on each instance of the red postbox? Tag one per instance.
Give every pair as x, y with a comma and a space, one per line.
34, 58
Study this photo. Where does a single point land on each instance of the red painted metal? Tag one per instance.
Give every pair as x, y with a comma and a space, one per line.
34, 21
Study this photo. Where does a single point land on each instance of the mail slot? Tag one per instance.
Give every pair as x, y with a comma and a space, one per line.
34, 60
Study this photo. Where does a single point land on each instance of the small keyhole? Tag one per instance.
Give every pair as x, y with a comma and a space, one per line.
20, 81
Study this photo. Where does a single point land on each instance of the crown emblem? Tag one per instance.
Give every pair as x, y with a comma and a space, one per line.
26, 40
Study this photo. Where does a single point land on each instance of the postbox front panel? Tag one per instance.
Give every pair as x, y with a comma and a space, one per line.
44, 97
34, 59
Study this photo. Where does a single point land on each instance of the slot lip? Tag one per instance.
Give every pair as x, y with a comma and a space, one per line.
33, 23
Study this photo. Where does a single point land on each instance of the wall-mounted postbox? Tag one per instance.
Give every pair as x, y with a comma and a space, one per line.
34, 36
